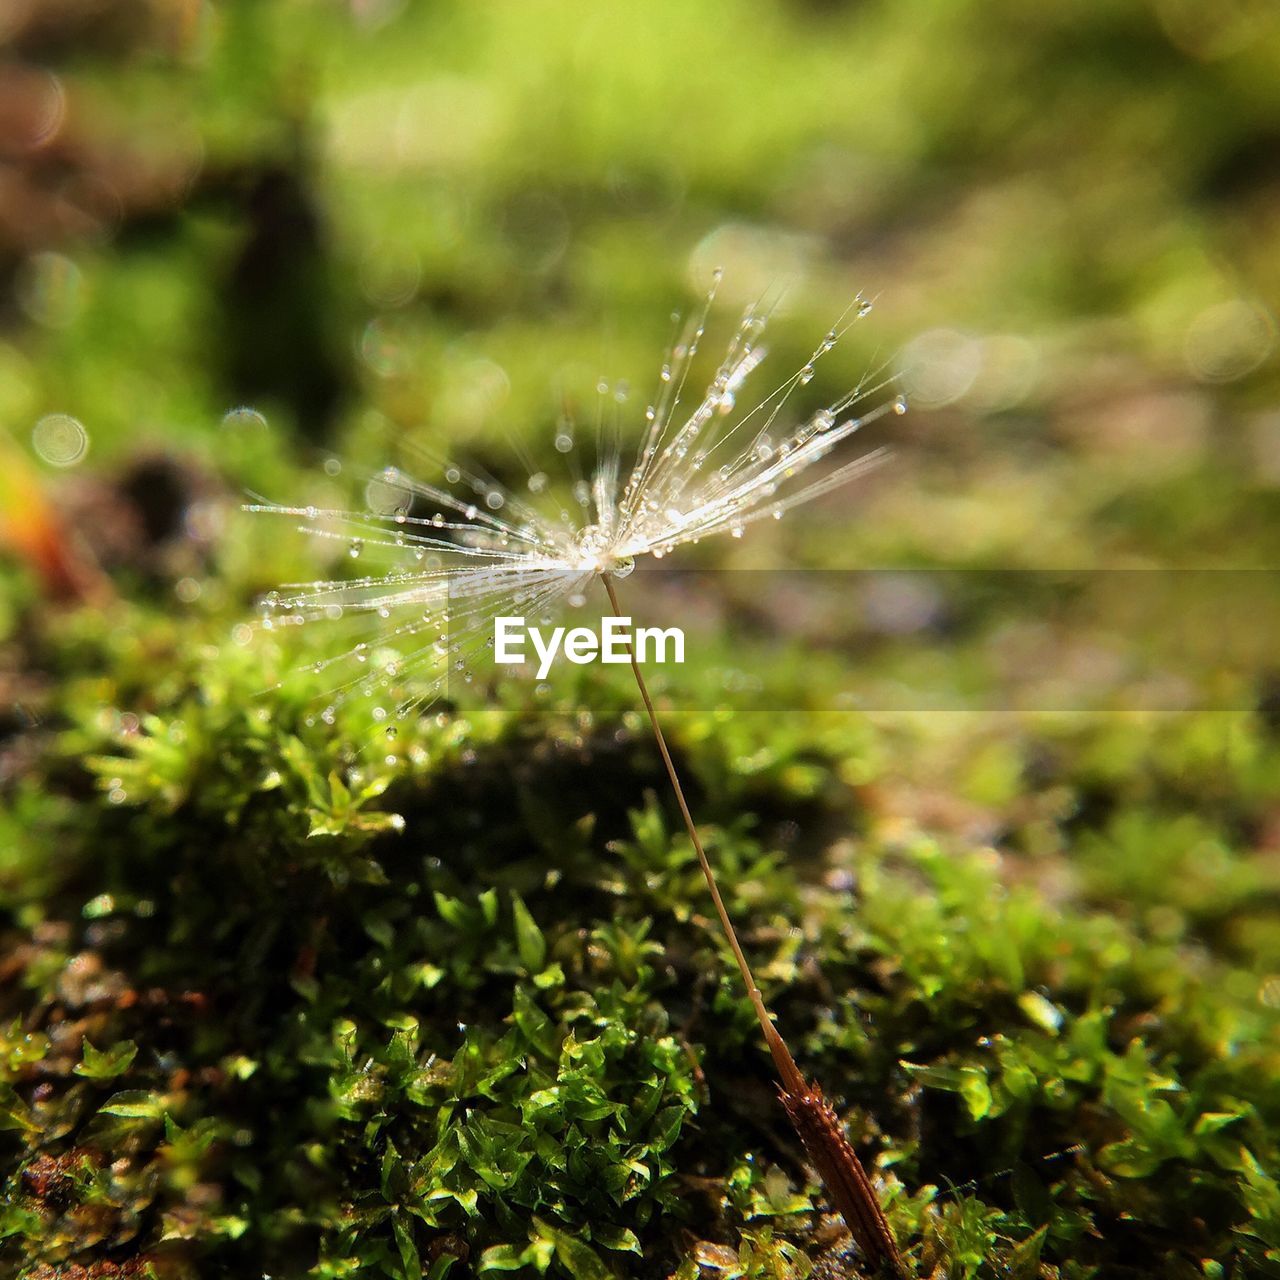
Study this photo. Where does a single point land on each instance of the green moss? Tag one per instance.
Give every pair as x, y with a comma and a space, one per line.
300, 1007
280, 994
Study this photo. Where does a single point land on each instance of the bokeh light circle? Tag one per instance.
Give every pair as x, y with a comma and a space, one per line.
1229, 340
60, 439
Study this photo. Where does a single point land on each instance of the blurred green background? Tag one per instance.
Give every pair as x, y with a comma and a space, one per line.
380, 221
263, 245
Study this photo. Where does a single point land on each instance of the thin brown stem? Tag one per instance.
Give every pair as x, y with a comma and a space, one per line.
811, 1115
782, 1058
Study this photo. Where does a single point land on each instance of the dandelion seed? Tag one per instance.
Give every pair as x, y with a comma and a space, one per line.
471, 544
699, 470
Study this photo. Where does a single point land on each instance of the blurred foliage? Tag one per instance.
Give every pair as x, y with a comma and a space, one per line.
282, 994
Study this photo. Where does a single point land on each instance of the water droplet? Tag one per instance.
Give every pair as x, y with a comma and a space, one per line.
243, 418
864, 306
357, 546
564, 442
900, 405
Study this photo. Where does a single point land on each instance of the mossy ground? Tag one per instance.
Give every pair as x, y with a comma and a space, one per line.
286, 997
278, 1005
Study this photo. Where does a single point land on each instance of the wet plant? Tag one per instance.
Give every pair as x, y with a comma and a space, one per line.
485, 552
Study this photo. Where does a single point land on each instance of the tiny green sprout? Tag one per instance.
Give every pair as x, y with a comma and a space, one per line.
106, 1064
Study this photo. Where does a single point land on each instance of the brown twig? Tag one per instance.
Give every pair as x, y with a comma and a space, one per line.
812, 1116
